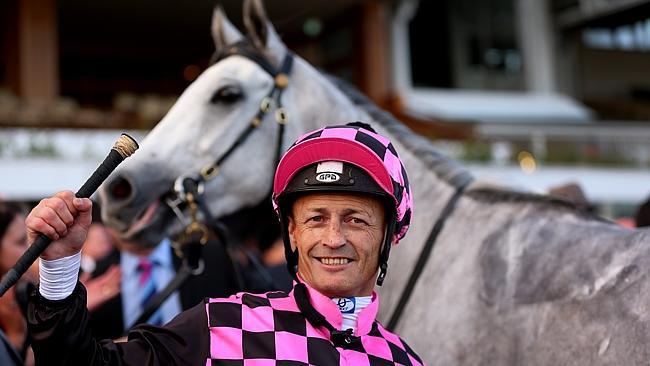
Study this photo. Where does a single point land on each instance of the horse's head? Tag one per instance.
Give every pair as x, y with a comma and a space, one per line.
210, 118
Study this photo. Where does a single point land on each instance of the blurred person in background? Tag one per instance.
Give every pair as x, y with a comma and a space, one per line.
253, 234
132, 274
14, 347
14, 340
99, 242
98, 245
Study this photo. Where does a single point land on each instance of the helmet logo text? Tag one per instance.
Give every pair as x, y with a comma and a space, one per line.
327, 177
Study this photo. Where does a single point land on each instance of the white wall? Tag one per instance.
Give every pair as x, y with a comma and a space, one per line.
35, 163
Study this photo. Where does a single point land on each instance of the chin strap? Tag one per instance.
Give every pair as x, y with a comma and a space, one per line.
385, 250
290, 255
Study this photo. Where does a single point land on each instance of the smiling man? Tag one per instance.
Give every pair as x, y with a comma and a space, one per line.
338, 237
343, 200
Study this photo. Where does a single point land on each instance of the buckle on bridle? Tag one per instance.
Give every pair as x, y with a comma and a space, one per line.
281, 80
266, 104
281, 116
209, 171
196, 231
179, 186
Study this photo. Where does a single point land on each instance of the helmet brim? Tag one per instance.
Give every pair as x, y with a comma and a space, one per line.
330, 148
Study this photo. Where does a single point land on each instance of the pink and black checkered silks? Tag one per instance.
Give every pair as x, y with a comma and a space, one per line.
368, 150
269, 329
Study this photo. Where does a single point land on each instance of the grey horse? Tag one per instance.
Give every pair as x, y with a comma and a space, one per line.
513, 278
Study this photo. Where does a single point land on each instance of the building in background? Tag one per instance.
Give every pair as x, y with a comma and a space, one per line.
556, 91
531, 93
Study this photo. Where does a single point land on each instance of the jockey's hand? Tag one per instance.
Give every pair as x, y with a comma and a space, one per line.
63, 218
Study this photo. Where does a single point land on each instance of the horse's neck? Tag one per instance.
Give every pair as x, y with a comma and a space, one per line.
319, 103
430, 196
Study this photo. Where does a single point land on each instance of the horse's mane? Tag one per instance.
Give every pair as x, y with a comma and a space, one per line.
445, 168
496, 195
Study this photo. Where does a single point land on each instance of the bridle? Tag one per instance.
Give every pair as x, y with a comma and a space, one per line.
179, 194
274, 97
188, 189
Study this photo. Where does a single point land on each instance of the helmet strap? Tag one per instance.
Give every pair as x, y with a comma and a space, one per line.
290, 254
385, 250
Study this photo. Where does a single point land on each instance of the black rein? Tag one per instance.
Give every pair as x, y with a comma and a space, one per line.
424, 257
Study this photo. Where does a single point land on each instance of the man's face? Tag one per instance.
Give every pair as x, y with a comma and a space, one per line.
338, 237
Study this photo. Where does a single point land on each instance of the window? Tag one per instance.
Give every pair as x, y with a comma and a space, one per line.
465, 44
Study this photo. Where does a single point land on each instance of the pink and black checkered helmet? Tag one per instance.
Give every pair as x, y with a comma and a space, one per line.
355, 146
348, 158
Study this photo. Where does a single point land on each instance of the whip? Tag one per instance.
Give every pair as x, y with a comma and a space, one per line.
123, 148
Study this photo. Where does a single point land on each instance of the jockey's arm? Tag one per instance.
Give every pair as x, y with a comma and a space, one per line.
57, 313
61, 336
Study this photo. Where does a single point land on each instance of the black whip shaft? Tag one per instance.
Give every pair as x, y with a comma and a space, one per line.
41, 243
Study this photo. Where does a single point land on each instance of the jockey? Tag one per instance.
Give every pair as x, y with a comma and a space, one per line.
343, 200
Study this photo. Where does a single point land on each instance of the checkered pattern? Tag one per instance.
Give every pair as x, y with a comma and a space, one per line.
269, 329
330, 138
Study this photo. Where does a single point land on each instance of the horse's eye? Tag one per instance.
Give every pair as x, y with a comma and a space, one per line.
227, 94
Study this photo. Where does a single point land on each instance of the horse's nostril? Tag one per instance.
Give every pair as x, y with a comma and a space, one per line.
120, 188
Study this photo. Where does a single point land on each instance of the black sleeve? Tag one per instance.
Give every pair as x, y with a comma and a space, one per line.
61, 336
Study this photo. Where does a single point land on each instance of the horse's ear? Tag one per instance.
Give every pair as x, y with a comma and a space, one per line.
223, 31
261, 31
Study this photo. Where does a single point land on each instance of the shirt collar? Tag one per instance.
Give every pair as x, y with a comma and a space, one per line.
331, 312
161, 256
